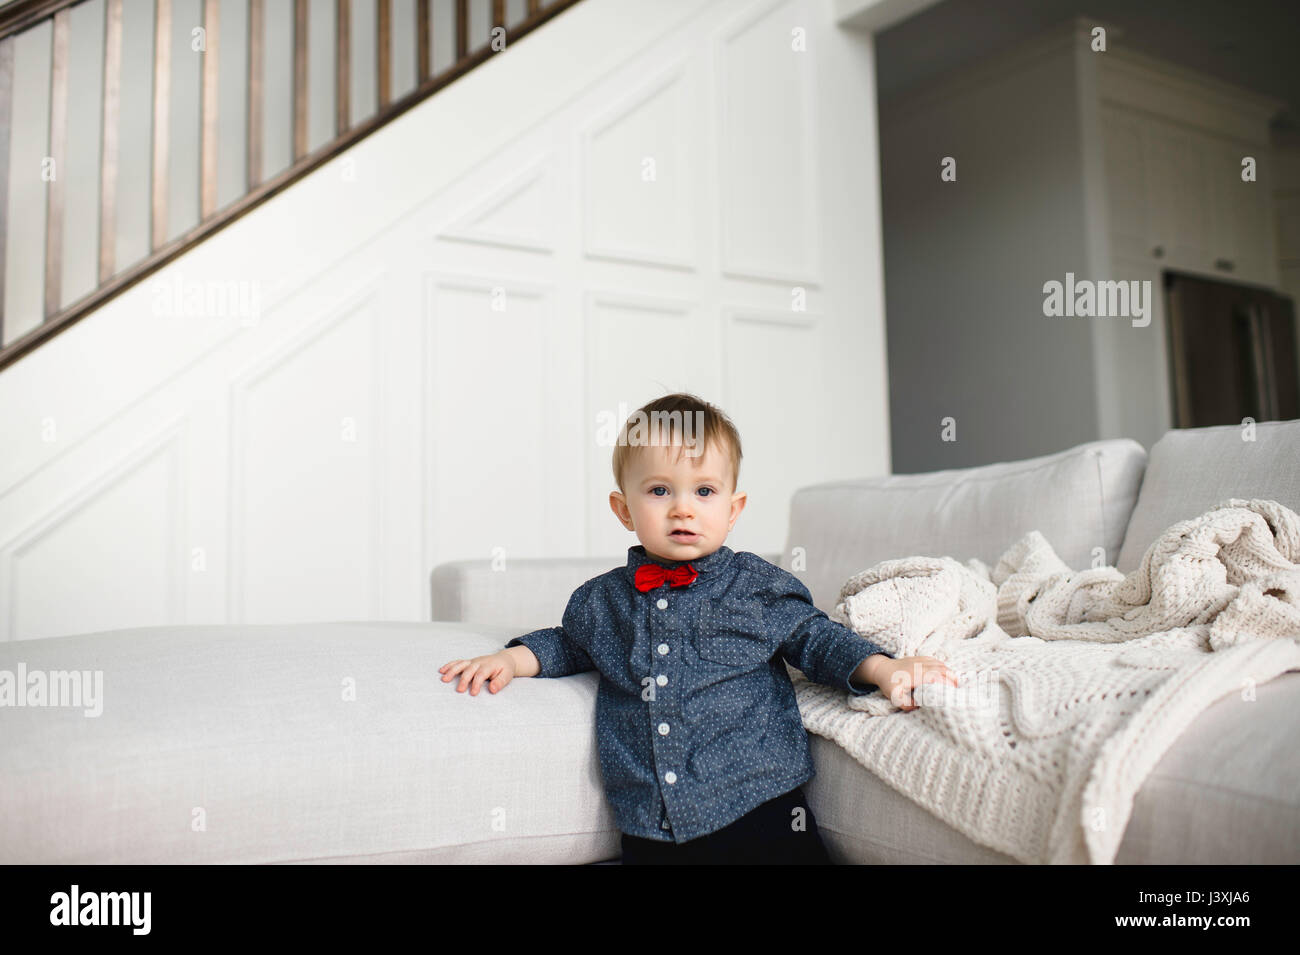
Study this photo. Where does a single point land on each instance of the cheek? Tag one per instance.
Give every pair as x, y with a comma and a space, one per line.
645, 506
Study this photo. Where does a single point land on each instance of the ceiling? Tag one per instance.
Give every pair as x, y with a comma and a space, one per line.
1252, 43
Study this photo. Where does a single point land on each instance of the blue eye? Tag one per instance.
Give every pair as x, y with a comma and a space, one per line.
655, 491
709, 489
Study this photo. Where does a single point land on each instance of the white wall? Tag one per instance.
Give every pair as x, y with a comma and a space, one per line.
365, 411
966, 262
1054, 145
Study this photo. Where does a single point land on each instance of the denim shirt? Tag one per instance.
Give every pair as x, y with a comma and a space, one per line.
696, 717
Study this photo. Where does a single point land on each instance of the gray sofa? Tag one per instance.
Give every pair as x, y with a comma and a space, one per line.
338, 742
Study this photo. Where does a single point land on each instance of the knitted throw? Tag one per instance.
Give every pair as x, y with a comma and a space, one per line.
1072, 684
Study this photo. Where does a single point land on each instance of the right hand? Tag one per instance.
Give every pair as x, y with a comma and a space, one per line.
499, 668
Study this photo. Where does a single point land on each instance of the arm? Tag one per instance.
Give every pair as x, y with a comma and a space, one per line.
554, 651
825, 651
526, 662
869, 671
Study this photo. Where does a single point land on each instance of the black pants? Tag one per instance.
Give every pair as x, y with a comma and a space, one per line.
766, 835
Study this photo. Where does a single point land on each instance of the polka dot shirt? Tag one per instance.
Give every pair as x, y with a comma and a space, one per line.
696, 718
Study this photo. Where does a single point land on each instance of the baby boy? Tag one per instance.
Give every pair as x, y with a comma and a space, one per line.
702, 750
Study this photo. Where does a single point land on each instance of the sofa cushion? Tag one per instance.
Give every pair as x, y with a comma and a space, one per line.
251, 729
1080, 499
1227, 792
1192, 469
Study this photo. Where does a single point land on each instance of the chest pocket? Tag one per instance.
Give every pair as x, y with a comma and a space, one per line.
732, 634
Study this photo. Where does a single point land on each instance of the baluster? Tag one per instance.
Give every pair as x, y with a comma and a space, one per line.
301, 92
162, 73
462, 29
58, 150
255, 91
423, 52
208, 126
343, 71
109, 138
383, 39
6, 120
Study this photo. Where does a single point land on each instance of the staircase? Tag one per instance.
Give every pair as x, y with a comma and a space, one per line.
60, 57
431, 327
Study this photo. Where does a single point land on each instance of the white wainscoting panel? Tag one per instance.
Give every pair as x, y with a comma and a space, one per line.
638, 162
305, 437
769, 213
108, 554
780, 407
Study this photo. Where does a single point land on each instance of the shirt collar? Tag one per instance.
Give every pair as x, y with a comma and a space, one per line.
708, 564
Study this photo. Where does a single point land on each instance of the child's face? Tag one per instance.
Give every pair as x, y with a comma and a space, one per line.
665, 493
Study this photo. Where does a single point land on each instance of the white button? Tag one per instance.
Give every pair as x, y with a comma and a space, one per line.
663, 729
670, 777
663, 649
661, 680
662, 604
664, 824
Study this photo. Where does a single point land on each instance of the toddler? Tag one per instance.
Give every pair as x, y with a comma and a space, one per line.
703, 753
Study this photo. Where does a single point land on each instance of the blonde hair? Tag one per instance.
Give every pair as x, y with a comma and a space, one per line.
670, 413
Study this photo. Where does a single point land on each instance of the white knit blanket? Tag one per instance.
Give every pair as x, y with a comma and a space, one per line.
1072, 685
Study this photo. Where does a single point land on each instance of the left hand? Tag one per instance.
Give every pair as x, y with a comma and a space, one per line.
898, 678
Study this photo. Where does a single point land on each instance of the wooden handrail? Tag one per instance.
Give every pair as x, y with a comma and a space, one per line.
22, 15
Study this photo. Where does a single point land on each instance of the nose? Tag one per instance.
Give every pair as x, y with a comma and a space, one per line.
681, 506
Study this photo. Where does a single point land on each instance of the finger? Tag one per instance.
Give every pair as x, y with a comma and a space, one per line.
490, 673
466, 676
477, 683
450, 674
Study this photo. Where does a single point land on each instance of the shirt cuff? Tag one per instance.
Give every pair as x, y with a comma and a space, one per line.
543, 644
849, 656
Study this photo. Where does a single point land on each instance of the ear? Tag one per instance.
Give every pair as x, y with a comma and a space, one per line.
618, 504
738, 502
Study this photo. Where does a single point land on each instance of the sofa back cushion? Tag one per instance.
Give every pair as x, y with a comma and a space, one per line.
1080, 499
1193, 469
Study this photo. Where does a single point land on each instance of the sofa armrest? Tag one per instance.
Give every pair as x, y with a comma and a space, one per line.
526, 594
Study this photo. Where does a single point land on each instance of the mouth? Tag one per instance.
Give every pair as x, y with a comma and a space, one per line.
684, 537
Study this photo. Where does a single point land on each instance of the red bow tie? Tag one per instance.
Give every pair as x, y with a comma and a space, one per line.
650, 576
